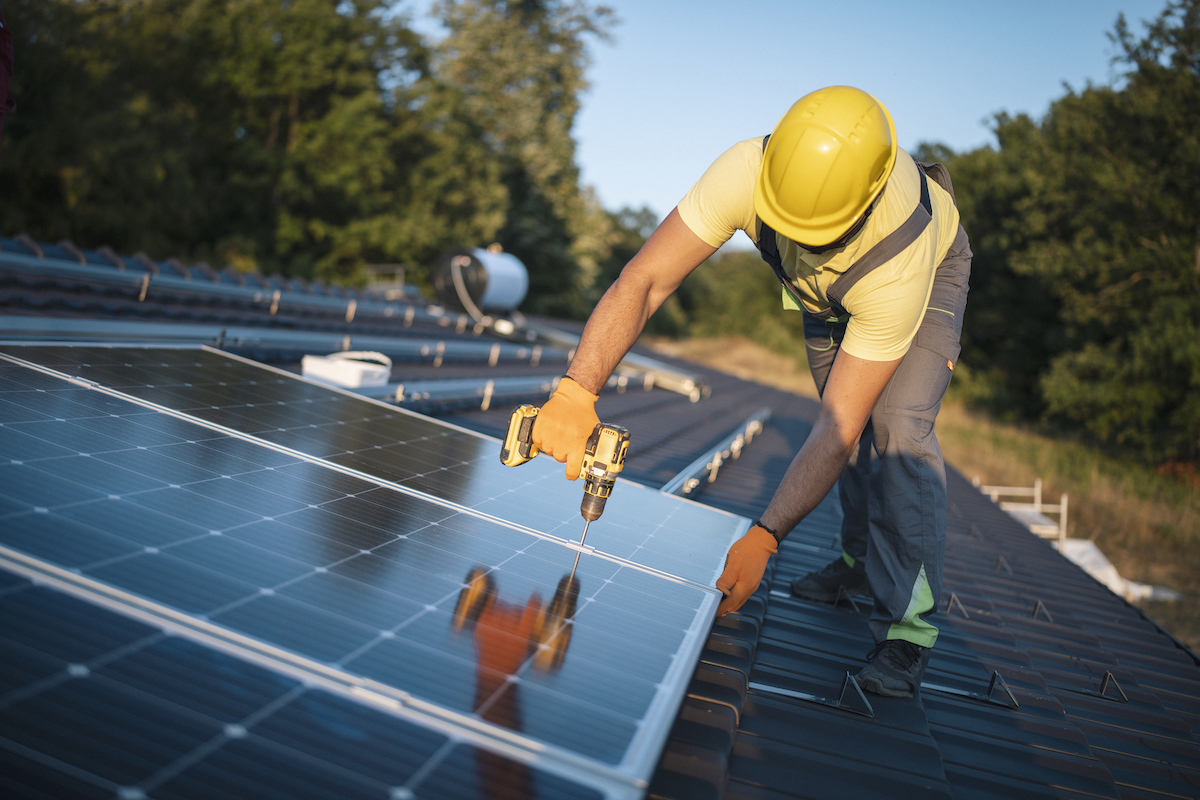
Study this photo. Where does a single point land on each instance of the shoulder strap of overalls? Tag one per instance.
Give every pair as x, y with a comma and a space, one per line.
768, 248
884, 250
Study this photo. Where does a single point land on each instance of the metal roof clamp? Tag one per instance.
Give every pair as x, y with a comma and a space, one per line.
842, 593
1111, 680
954, 601
1041, 609
713, 466
705, 467
1108, 680
851, 698
997, 678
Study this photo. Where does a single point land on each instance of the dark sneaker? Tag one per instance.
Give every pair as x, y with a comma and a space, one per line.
896, 668
822, 587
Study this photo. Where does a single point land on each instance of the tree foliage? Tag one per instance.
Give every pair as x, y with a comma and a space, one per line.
304, 136
1085, 300
519, 67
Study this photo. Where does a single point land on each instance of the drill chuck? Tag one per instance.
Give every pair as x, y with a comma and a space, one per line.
593, 505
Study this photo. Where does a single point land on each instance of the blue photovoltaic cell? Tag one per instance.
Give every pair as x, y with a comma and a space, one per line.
93, 704
449, 607
639, 523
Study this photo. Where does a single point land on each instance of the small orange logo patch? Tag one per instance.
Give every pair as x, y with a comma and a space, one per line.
950, 364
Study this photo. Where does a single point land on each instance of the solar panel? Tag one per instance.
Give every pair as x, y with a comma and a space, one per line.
404, 448
471, 620
94, 704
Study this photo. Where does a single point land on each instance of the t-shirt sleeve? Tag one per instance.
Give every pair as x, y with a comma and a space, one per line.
722, 201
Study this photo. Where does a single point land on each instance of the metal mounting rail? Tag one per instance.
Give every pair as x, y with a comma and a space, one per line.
634, 368
259, 296
464, 391
478, 391
729, 448
424, 350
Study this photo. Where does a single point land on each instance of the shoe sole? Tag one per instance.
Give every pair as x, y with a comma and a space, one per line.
876, 687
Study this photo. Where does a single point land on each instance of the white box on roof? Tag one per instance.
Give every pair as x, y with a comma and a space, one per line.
352, 369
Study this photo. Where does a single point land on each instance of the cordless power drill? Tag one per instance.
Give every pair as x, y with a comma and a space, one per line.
603, 458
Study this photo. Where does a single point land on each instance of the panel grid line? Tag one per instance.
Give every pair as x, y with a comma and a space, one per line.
36, 687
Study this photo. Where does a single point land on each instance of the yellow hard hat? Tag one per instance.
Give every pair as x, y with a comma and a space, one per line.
826, 162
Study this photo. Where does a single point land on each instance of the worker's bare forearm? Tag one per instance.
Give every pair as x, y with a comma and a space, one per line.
812, 473
666, 258
611, 330
853, 389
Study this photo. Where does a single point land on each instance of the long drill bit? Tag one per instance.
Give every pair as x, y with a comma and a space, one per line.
586, 522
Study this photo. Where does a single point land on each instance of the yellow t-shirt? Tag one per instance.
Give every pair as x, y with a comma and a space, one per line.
887, 305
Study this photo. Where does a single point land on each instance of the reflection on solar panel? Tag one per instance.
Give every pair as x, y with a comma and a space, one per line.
381, 592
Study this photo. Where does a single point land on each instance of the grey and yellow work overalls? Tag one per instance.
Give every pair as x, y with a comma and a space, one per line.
893, 490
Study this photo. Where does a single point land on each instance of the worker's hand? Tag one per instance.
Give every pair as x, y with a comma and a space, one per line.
744, 568
565, 423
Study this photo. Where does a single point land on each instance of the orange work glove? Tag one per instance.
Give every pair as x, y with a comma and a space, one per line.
565, 423
744, 568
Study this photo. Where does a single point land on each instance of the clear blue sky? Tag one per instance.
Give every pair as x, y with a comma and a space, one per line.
685, 79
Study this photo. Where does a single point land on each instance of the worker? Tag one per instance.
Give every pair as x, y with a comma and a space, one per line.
867, 245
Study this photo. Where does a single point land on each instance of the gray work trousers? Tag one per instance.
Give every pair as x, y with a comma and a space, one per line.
893, 491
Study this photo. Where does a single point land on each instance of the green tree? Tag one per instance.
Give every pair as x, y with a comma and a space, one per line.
1085, 302
300, 136
519, 68
1126, 264
1012, 327
630, 228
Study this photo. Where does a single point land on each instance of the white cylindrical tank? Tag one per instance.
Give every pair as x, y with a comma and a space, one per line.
492, 279
507, 280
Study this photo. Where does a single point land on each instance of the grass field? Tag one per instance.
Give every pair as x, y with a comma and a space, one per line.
1146, 523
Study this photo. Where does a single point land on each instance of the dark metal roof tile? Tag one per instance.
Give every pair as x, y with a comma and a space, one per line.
1151, 775
706, 724
970, 783
1004, 757
688, 772
1048, 732
728, 653
900, 736
1142, 713
1184, 753
719, 685
798, 771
